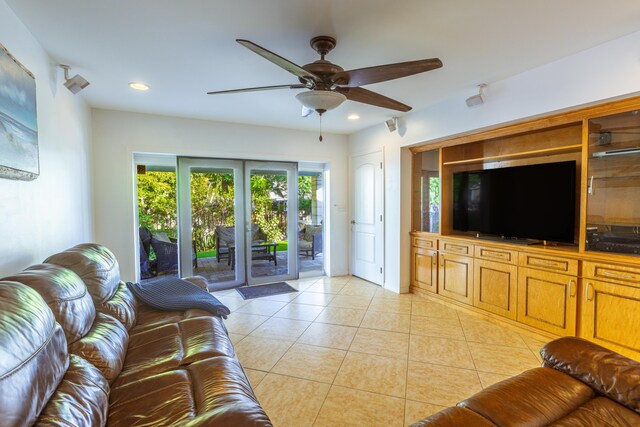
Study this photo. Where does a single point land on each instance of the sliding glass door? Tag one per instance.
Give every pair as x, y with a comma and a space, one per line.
271, 216
211, 220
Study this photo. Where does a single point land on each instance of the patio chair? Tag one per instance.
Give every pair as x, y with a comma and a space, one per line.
225, 239
310, 241
166, 250
147, 267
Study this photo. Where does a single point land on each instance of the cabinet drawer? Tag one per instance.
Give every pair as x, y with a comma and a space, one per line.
549, 263
424, 242
456, 248
611, 272
496, 254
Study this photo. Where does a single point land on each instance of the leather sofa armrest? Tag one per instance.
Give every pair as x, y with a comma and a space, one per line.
197, 280
605, 371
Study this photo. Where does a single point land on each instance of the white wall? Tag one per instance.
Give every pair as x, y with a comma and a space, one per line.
52, 213
117, 135
607, 71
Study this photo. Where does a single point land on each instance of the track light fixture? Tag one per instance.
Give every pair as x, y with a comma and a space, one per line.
76, 83
392, 124
478, 99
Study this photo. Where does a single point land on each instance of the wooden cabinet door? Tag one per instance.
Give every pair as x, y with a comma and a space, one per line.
547, 300
495, 286
455, 277
424, 269
610, 316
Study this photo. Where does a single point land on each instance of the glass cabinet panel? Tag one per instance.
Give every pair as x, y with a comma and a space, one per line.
613, 186
426, 191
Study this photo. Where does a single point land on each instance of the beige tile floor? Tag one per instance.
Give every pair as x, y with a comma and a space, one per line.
344, 352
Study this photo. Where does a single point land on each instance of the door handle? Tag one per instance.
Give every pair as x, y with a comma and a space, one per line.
586, 293
353, 221
572, 290
617, 275
441, 260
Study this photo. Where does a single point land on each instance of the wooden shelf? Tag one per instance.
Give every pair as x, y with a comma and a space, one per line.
523, 154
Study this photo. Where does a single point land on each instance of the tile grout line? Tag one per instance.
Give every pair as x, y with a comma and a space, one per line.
406, 379
315, 419
472, 358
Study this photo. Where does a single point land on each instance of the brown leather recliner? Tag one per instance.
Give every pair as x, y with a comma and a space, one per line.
76, 348
579, 384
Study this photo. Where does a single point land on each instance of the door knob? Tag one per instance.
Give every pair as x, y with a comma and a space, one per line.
353, 221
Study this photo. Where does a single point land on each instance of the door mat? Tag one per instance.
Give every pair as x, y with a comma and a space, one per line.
250, 292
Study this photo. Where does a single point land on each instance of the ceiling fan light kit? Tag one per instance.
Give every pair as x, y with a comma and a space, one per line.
321, 100
329, 85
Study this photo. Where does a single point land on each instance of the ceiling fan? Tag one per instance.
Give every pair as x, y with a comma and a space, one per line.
330, 85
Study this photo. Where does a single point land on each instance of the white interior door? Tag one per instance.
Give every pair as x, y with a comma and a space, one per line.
271, 187
367, 223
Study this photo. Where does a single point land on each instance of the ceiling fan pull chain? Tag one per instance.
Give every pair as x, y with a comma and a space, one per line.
320, 138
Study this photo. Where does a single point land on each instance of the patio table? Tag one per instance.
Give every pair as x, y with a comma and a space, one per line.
259, 251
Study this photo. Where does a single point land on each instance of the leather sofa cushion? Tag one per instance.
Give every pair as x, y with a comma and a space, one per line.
96, 265
122, 305
105, 346
149, 317
535, 397
66, 295
98, 268
170, 346
33, 354
82, 398
209, 392
454, 417
607, 372
598, 412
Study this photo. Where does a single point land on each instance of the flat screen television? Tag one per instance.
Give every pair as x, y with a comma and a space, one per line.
526, 202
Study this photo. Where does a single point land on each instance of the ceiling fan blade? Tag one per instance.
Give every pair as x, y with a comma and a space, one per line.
256, 89
382, 73
279, 61
366, 96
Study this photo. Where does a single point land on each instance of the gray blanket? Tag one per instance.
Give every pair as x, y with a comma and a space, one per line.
171, 293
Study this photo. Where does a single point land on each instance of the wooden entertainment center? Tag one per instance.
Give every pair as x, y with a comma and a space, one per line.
589, 289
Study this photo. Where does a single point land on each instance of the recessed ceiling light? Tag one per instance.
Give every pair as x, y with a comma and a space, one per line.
139, 86
353, 117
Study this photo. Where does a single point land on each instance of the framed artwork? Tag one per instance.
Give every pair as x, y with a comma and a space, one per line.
18, 120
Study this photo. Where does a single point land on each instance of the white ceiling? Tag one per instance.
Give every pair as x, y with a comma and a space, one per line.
183, 48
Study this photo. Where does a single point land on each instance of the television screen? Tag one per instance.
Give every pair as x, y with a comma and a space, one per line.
529, 202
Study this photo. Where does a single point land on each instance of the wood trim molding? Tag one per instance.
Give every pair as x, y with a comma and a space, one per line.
528, 125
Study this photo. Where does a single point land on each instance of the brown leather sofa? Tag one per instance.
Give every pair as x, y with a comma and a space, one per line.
579, 384
77, 349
